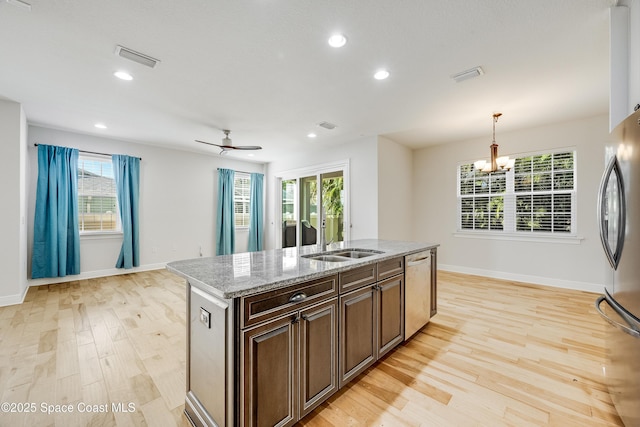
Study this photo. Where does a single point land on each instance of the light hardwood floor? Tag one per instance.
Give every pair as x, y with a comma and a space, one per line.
498, 353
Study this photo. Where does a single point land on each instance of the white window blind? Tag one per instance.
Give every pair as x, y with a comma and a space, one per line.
97, 201
536, 196
241, 188
544, 187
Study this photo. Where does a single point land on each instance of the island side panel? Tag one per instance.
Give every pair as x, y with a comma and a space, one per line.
210, 358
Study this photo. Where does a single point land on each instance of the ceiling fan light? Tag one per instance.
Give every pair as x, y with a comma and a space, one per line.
510, 164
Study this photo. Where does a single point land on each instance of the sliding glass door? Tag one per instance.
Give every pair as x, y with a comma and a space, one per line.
307, 200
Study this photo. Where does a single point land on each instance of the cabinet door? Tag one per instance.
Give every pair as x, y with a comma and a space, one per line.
390, 313
318, 354
269, 392
357, 332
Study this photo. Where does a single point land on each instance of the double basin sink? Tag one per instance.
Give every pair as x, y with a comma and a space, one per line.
342, 255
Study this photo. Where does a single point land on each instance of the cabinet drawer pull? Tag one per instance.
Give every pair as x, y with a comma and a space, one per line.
299, 297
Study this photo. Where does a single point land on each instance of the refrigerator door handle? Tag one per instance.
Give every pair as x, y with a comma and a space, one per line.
613, 254
612, 322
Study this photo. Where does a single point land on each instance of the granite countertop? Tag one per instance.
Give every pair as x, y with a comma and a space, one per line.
231, 276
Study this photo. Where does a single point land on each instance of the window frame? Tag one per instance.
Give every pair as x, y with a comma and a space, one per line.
118, 224
509, 230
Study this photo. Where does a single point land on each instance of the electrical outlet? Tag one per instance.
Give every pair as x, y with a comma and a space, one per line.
205, 318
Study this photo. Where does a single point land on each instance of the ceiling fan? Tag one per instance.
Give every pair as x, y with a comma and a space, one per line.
227, 145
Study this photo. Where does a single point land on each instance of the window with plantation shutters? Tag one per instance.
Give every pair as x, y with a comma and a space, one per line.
241, 187
544, 189
536, 196
481, 199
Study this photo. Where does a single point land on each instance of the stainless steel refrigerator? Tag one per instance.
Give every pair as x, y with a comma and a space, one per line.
619, 219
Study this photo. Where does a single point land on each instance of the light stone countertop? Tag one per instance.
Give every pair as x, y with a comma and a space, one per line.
237, 275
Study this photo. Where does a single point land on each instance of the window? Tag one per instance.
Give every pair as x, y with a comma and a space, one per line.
536, 196
97, 202
241, 188
481, 199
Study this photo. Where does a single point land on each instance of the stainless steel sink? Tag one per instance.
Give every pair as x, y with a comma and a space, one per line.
328, 258
342, 255
355, 254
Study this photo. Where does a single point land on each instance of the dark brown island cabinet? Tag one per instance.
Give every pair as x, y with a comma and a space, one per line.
270, 358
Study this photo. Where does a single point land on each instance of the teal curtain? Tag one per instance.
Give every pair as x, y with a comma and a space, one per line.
256, 214
56, 236
225, 227
126, 171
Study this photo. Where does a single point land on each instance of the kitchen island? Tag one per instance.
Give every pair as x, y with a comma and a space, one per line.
272, 334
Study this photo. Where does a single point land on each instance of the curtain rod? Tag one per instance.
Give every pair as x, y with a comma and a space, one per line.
248, 173
90, 152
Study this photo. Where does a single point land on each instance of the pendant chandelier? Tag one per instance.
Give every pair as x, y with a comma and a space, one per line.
496, 164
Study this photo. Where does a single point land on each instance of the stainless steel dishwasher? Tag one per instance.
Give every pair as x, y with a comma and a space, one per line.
417, 292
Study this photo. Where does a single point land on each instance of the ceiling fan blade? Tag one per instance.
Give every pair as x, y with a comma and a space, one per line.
211, 143
247, 147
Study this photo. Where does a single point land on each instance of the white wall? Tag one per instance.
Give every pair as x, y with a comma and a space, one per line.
13, 229
363, 166
178, 200
580, 265
395, 191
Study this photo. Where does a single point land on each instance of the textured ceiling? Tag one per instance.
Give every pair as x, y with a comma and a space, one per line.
263, 68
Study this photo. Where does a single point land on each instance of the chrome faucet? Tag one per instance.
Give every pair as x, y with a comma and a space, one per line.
322, 245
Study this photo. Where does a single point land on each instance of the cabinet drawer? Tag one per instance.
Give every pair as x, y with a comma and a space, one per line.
390, 267
260, 307
358, 277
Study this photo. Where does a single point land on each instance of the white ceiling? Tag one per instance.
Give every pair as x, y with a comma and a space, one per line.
263, 68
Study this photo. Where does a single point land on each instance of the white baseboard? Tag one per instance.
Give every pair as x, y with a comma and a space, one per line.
536, 280
13, 299
95, 274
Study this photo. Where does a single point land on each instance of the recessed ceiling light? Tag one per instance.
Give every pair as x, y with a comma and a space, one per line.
100, 125
337, 40
381, 75
123, 75
250, 155
311, 135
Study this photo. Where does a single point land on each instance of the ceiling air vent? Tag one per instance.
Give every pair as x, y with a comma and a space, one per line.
467, 74
138, 57
327, 125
